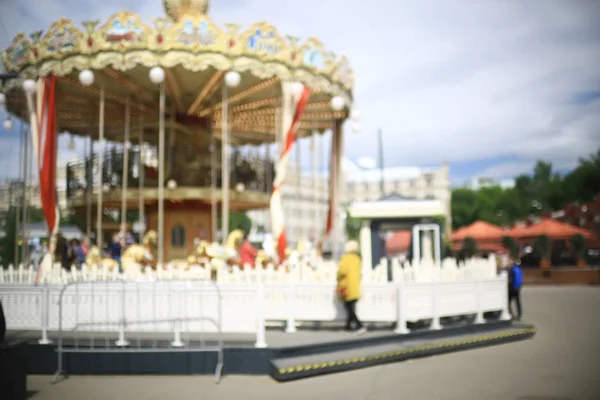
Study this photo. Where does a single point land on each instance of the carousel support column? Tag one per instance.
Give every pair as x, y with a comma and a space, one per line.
89, 187
161, 177
157, 76
125, 178
315, 184
142, 176
268, 171
232, 79
213, 187
21, 191
99, 242
299, 188
224, 167
26, 152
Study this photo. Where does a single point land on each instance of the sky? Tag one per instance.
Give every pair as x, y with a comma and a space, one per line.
488, 86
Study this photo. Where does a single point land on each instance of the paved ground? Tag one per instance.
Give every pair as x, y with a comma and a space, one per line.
561, 363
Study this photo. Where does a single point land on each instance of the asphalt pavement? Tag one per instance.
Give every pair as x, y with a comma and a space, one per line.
562, 362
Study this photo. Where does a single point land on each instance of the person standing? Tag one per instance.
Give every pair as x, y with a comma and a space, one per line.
348, 286
247, 253
515, 282
115, 249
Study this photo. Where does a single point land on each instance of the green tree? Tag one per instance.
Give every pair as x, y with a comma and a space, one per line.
352, 227
541, 247
239, 220
583, 183
578, 246
463, 207
511, 245
469, 247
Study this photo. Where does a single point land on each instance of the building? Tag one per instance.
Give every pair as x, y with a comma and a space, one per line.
478, 182
305, 201
12, 191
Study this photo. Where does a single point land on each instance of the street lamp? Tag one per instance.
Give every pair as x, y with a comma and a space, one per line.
86, 77
338, 103
7, 124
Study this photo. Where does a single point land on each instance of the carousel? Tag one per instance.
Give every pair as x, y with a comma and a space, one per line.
185, 120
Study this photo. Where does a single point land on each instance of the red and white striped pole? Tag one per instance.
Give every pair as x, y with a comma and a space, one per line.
295, 97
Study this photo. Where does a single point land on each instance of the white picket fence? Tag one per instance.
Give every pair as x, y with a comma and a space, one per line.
176, 306
301, 272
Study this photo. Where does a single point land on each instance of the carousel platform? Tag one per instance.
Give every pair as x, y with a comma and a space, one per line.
311, 351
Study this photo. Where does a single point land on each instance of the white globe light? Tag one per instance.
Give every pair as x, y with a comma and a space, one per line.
297, 89
105, 187
157, 75
86, 77
171, 184
2, 99
338, 103
355, 114
232, 79
29, 85
356, 127
240, 187
7, 124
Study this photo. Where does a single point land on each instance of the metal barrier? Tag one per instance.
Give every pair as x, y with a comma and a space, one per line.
145, 313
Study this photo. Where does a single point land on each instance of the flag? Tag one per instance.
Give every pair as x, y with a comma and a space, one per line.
334, 177
44, 134
293, 107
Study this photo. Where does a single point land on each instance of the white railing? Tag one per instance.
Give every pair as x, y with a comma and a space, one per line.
245, 308
301, 272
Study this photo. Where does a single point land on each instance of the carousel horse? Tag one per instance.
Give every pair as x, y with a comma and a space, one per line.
200, 256
141, 254
94, 257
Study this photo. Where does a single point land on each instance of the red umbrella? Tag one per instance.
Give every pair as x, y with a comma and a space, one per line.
478, 230
553, 229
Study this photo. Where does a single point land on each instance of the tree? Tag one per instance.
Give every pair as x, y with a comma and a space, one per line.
240, 220
462, 207
578, 247
583, 183
541, 191
353, 226
511, 245
541, 248
469, 247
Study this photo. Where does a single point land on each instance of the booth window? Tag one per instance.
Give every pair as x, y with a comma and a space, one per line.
178, 236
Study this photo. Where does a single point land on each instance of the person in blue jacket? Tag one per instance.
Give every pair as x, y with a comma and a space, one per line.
515, 282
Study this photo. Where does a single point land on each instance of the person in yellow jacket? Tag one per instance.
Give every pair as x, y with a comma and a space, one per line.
348, 285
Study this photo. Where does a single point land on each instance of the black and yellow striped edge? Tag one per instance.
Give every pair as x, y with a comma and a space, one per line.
301, 371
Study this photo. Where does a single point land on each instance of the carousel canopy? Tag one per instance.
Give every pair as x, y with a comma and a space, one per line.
479, 230
196, 54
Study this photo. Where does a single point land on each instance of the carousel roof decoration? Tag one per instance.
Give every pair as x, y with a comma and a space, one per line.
195, 53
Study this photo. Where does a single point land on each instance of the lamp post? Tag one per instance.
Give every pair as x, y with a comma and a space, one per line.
232, 79
157, 76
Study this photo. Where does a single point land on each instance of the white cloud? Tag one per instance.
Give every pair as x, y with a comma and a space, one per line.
444, 80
